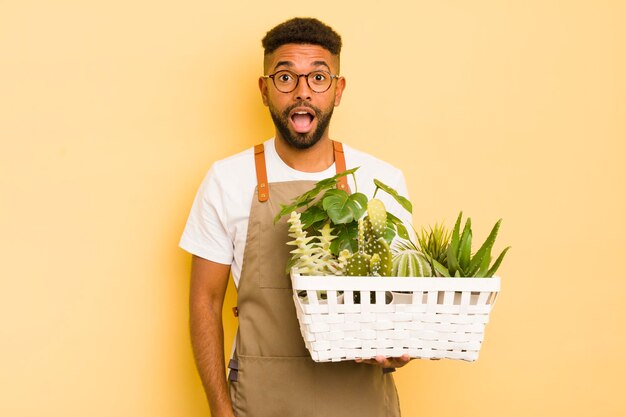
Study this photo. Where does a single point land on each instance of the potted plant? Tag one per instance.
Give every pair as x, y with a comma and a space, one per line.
442, 293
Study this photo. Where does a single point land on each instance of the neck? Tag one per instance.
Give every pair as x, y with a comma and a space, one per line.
314, 159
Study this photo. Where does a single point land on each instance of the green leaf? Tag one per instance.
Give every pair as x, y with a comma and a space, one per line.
497, 263
399, 226
440, 269
313, 215
346, 238
486, 247
465, 246
404, 202
306, 198
453, 249
342, 207
484, 266
390, 232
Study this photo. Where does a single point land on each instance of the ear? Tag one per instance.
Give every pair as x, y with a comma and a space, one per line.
263, 89
341, 84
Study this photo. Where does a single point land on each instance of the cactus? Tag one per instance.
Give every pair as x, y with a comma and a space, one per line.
359, 262
375, 265
371, 243
377, 216
409, 262
363, 231
381, 248
326, 204
376, 243
338, 266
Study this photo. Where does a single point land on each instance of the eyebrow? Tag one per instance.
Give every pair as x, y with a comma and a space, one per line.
289, 64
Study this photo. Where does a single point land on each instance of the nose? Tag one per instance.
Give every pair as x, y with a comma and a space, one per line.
302, 91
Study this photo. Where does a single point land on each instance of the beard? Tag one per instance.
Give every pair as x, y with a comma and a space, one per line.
301, 140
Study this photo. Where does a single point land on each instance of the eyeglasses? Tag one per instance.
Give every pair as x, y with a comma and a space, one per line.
286, 81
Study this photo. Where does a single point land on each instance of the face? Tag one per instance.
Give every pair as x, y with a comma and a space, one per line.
302, 116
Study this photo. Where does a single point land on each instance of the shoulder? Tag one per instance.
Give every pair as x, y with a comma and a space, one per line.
234, 170
232, 164
231, 180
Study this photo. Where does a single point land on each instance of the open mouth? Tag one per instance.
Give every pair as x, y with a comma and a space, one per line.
302, 119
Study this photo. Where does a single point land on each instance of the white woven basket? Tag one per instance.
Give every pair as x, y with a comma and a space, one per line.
436, 318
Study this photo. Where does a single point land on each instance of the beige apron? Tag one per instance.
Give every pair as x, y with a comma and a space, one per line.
272, 373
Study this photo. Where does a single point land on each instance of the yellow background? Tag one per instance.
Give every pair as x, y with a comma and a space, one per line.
112, 111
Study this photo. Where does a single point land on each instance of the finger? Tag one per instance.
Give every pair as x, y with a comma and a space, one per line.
367, 361
400, 361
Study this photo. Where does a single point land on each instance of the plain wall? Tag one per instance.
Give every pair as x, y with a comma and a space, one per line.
111, 112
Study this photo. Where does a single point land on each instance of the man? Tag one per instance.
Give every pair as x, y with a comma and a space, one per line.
231, 225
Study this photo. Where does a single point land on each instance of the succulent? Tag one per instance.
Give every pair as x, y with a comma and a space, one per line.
338, 233
433, 243
312, 254
460, 262
324, 203
373, 256
408, 261
376, 245
359, 263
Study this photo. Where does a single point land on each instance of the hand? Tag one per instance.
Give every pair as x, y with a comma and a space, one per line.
387, 362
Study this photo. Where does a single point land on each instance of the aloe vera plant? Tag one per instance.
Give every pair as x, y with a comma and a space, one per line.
459, 260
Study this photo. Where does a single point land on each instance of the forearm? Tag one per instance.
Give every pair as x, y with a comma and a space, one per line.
208, 287
207, 337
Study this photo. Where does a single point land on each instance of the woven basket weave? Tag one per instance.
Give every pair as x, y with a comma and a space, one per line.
344, 318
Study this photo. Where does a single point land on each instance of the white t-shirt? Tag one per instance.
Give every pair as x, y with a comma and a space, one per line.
218, 223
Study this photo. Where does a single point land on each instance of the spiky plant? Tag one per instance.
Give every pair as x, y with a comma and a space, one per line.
433, 243
408, 261
371, 241
460, 261
312, 254
359, 262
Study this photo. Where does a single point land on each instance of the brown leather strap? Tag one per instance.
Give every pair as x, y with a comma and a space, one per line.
261, 173
261, 170
340, 166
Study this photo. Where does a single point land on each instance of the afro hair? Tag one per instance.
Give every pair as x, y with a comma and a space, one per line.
302, 31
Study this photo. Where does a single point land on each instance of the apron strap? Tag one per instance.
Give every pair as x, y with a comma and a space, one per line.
340, 166
261, 173
261, 170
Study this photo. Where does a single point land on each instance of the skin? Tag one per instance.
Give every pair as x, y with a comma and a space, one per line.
208, 287
209, 279
303, 59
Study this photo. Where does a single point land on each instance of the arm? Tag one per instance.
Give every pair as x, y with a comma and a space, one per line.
208, 286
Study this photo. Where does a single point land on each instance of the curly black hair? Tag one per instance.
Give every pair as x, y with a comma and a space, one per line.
302, 31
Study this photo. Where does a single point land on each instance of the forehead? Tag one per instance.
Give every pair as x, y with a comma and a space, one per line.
300, 56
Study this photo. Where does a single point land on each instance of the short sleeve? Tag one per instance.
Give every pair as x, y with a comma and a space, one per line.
206, 232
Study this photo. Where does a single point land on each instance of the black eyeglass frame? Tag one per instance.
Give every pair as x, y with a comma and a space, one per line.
306, 77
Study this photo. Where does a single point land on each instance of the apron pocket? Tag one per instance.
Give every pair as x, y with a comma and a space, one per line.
274, 387
274, 255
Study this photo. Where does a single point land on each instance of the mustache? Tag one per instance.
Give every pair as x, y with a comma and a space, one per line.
317, 111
